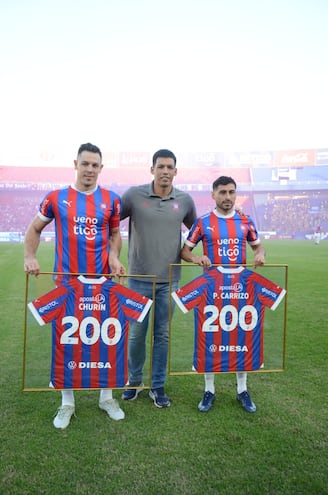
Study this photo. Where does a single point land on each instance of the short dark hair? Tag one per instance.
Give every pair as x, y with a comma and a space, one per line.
89, 147
223, 181
164, 154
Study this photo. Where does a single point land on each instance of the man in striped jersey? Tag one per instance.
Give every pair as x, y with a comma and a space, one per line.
224, 233
88, 240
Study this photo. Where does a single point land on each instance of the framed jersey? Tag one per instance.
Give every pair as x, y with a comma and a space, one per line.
90, 323
229, 312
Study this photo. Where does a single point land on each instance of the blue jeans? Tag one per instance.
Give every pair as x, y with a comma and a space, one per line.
138, 334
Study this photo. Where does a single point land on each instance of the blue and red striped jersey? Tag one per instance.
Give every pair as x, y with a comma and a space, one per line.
229, 306
90, 323
82, 223
224, 237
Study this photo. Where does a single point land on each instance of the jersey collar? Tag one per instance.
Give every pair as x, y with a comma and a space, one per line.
73, 186
220, 215
238, 269
86, 280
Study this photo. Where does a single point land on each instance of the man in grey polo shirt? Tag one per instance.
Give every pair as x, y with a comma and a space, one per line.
156, 213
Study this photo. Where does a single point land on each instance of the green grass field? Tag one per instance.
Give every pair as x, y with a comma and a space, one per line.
280, 450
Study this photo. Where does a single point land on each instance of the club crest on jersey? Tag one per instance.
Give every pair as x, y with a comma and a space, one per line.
175, 206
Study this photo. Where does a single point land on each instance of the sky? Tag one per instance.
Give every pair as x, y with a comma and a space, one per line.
139, 75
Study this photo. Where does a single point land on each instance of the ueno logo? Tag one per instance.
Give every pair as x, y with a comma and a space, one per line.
85, 226
228, 248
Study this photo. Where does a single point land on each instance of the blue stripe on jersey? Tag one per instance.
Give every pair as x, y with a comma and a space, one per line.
61, 221
86, 349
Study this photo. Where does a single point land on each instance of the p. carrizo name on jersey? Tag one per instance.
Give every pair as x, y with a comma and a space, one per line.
234, 295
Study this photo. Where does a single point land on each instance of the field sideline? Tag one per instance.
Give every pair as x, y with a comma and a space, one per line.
280, 450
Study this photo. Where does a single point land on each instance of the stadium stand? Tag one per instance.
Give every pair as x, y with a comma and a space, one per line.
285, 201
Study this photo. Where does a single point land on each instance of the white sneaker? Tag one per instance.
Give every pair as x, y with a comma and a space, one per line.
112, 408
63, 416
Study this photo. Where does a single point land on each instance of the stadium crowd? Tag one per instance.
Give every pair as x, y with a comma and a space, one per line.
292, 217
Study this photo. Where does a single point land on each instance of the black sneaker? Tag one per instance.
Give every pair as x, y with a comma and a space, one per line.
132, 393
159, 397
246, 402
206, 402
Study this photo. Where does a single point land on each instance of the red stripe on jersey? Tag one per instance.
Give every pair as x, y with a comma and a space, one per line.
106, 204
249, 336
77, 350
112, 349
233, 334
116, 213
245, 224
200, 231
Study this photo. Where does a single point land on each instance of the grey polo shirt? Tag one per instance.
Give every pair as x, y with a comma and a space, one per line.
155, 229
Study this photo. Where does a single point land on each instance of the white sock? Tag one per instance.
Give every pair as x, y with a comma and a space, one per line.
105, 394
209, 383
241, 382
68, 398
